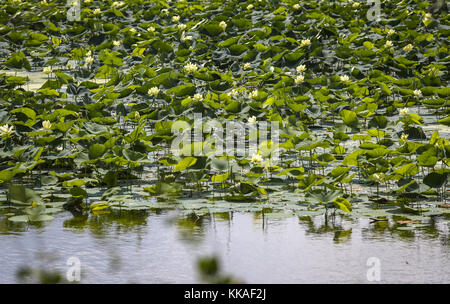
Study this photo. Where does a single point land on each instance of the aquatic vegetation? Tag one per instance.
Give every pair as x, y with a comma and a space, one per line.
361, 107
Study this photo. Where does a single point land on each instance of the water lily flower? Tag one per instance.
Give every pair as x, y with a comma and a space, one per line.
355, 5
417, 93
44, 2
116, 43
378, 177
256, 158
404, 111
153, 91
301, 68
271, 69
190, 68
250, 6
47, 70
87, 1
305, 42
233, 92
68, 65
408, 48
164, 11
6, 130
89, 60
187, 38
404, 136
46, 124
391, 32
181, 26
296, 6
151, 29
175, 18
198, 97
97, 11
223, 25
252, 120
137, 115
388, 44
133, 30
117, 3
253, 94
299, 79
344, 78
246, 66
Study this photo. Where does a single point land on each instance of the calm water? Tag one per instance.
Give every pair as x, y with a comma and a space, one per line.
164, 247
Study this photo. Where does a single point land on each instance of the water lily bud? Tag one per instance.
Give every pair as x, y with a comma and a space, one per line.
223, 25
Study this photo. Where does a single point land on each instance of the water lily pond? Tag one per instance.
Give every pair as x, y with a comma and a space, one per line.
292, 141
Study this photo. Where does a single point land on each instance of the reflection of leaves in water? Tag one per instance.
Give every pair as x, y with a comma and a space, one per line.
210, 271
192, 227
100, 224
342, 235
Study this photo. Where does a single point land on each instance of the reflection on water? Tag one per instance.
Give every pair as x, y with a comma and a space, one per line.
163, 247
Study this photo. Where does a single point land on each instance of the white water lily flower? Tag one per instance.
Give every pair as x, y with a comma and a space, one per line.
417, 93
391, 32
256, 158
153, 91
408, 48
97, 11
301, 68
296, 6
175, 18
344, 78
116, 43
271, 69
223, 25
89, 60
299, 79
6, 130
198, 97
165, 11
46, 124
151, 29
388, 44
233, 92
47, 70
187, 38
190, 68
250, 6
404, 111
378, 177
305, 42
252, 120
181, 26
253, 94
246, 66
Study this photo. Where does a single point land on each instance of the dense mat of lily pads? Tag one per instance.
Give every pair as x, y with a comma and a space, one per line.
362, 105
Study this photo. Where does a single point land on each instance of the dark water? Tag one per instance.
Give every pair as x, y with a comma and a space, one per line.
163, 248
